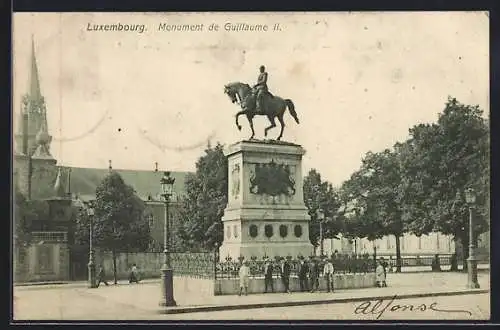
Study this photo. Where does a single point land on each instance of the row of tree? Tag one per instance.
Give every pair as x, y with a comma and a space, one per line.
415, 187
418, 186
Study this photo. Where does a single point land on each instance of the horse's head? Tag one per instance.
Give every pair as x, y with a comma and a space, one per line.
231, 92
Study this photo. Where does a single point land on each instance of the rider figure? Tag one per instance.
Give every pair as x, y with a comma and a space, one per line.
260, 88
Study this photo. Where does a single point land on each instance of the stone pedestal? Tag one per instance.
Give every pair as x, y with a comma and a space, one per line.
265, 214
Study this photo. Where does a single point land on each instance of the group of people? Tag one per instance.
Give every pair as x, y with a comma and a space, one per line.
134, 276
308, 273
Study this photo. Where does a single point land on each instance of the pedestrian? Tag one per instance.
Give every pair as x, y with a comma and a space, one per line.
384, 265
244, 277
435, 265
303, 270
380, 274
101, 277
328, 272
314, 275
268, 275
134, 276
285, 274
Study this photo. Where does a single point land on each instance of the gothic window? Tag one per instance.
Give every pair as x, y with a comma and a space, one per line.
228, 232
419, 242
150, 220
283, 231
297, 230
388, 241
268, 231
253, 231
437, 241
235, 231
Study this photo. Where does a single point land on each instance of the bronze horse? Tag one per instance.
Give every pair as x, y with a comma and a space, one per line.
273, 106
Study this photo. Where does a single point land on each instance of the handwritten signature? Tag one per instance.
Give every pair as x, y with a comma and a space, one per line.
379, 307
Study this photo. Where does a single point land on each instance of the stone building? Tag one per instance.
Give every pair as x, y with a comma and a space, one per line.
37, 176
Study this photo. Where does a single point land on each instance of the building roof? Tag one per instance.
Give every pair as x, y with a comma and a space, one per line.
84, 181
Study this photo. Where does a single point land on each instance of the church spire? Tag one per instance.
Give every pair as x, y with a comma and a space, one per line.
35, 132
34, 81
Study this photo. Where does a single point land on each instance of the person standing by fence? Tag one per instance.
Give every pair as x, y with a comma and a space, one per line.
285, 274
314, 274
244, 278
303, 270
268, 275
380, 274
328, 275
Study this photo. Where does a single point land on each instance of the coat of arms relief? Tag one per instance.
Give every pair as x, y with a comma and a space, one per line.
272, 179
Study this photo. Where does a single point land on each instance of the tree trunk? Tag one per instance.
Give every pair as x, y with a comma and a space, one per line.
114, 266
398, 253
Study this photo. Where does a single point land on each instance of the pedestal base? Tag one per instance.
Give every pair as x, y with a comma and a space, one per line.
167, 288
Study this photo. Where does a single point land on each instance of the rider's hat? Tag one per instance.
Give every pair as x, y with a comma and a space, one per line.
262, 67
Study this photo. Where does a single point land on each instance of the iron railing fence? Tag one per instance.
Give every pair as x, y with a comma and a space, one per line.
199, 265
228, 269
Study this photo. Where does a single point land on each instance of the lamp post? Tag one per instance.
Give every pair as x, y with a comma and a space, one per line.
167, 280
321, 216
472, 283
91, 264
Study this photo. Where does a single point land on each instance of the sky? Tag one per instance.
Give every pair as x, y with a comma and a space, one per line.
359, 81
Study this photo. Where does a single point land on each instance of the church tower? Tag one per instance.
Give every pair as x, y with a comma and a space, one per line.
34, 166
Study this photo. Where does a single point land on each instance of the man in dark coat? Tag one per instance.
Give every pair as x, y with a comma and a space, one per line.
285, 274
101, 276
314, 275
303, 270
268, 275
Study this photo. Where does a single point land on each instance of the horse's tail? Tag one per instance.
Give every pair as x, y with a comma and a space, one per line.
291, 108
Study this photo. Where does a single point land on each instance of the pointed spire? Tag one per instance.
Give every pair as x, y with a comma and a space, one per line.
34, 82
58, 186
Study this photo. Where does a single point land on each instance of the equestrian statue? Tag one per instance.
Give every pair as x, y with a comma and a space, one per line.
258, 101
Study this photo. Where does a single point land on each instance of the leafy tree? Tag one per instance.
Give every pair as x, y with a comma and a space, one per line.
376, 192
440, 162
321, 196
23, 216
26, 214
206, 198
119, 224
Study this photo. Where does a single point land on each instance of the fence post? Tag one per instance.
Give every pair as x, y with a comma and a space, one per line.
375, 257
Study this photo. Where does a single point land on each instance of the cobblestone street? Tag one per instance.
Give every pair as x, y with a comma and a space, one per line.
129, 302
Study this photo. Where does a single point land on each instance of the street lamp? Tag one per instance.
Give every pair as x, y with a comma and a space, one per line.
167, 280
472, 283
91, 265
321, 217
